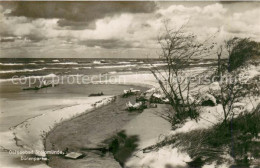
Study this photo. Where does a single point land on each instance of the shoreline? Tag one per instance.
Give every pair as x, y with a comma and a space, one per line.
56, 105
147, 126
119, 118
132, 80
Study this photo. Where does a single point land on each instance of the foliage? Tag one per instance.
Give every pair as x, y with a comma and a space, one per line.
240, 50
232, 89
96, 94
130, 92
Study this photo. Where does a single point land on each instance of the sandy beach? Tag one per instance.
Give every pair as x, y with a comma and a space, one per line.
89, 131
24, 125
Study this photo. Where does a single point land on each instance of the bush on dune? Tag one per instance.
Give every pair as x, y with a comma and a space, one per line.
240, 51
237, 139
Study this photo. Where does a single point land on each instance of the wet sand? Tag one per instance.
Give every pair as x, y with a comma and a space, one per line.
89, 131
18, 106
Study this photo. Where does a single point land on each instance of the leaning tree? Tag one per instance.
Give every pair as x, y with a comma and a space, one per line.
178, 48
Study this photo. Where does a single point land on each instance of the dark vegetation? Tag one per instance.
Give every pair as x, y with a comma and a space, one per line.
140, 101
158, 100
131, 93
240, 50
96, 94
141, 97
207, 103
205, 146
122, 146
39, 87
128, 94
235, 135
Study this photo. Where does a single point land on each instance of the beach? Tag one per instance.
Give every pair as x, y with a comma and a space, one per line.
27, 116
89, 131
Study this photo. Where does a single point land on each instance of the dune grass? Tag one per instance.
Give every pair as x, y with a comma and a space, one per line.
238, 139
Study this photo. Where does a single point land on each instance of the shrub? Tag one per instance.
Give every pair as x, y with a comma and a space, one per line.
208, 145
208, 103
240, 50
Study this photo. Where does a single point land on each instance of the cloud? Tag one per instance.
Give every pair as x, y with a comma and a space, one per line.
7, 39
101, 28
72, 12
76, 25
111, 44
206, 20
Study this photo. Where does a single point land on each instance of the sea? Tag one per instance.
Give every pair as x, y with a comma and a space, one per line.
39, 67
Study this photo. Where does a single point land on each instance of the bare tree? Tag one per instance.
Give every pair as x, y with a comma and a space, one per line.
178, 48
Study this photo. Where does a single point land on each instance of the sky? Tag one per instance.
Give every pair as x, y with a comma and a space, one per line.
115, 29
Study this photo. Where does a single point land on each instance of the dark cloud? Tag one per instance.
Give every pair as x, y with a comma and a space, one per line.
235, 30
29, 38
34, 37
146, 25
4, 34
110, 43
3, 40
240, 6
74, 25
82, 12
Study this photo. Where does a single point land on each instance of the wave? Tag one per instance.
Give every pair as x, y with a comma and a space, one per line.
202, 63
159, 64
141, 62
15, 79
85, 67
112, 72
97, 62
54, 68
124, 62
64, 63
152, 65
22, 70
100, 62
10, 64
39, 61
133, 60
48, 76
115, 66
55, 61
81, 68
